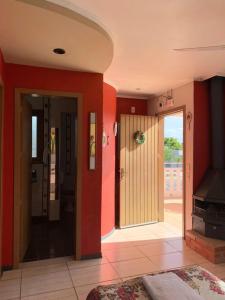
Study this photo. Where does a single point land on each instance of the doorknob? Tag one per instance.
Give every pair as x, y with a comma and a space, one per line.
122, 173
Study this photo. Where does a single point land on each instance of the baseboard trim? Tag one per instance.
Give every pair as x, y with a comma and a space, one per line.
91, 256
6, 268
108, 234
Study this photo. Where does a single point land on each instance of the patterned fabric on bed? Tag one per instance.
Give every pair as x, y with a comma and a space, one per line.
205, 284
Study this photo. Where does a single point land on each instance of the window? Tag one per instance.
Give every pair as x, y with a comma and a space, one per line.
37, 136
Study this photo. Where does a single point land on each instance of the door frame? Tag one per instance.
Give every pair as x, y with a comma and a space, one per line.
161, 116
19, 92
1, 166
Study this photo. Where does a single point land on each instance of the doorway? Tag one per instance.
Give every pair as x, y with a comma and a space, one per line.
48, 197
151, 165
172, 168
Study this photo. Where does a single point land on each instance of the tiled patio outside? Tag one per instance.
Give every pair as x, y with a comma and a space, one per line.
126, 253
173, 212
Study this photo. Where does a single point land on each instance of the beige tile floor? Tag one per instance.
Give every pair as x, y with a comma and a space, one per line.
126, 253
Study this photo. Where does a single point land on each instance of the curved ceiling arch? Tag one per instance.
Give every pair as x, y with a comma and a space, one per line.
147, 32
29, 31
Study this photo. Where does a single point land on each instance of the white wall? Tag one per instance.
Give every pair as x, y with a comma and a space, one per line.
182, 96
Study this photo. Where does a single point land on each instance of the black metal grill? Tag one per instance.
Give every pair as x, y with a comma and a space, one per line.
209, 200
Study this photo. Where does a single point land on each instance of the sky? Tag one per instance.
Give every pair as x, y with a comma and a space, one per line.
173, 127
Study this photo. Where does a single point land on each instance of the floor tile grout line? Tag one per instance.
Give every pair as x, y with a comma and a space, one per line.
115, 270
5, 280
45, 292
21, 285
27, 270
82, 268
137, 274
44, 263
109, 263
48, 292
72, 280
144, 255
42, 274
99, 283
122, 261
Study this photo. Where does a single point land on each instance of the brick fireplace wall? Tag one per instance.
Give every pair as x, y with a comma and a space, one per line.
211, 249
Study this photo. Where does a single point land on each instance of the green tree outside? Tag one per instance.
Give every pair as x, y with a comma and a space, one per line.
172, 143
171, 150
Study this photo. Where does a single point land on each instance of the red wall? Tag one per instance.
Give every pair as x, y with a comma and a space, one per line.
108, 161
90, 85
202, 153
2, 67
124, 106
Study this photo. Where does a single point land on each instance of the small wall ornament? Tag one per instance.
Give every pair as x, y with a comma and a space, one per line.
189, 119
104, 139
139, 137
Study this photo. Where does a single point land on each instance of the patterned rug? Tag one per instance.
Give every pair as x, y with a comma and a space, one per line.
203, 282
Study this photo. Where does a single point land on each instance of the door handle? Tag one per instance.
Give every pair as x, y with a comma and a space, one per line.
122, 173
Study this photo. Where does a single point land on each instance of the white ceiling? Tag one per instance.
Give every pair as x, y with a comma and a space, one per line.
29, 33
144, 34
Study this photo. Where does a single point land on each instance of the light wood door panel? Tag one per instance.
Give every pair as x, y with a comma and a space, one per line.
138, 171
25, 176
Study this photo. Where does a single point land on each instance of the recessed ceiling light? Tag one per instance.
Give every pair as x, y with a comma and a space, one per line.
59, 51
35, 95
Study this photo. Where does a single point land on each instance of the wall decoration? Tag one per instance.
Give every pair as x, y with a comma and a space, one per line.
115, 128
139, 137
92, 141
104, 138
189, 119
166, 100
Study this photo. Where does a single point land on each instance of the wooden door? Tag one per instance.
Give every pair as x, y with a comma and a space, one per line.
25, 176
138, 171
